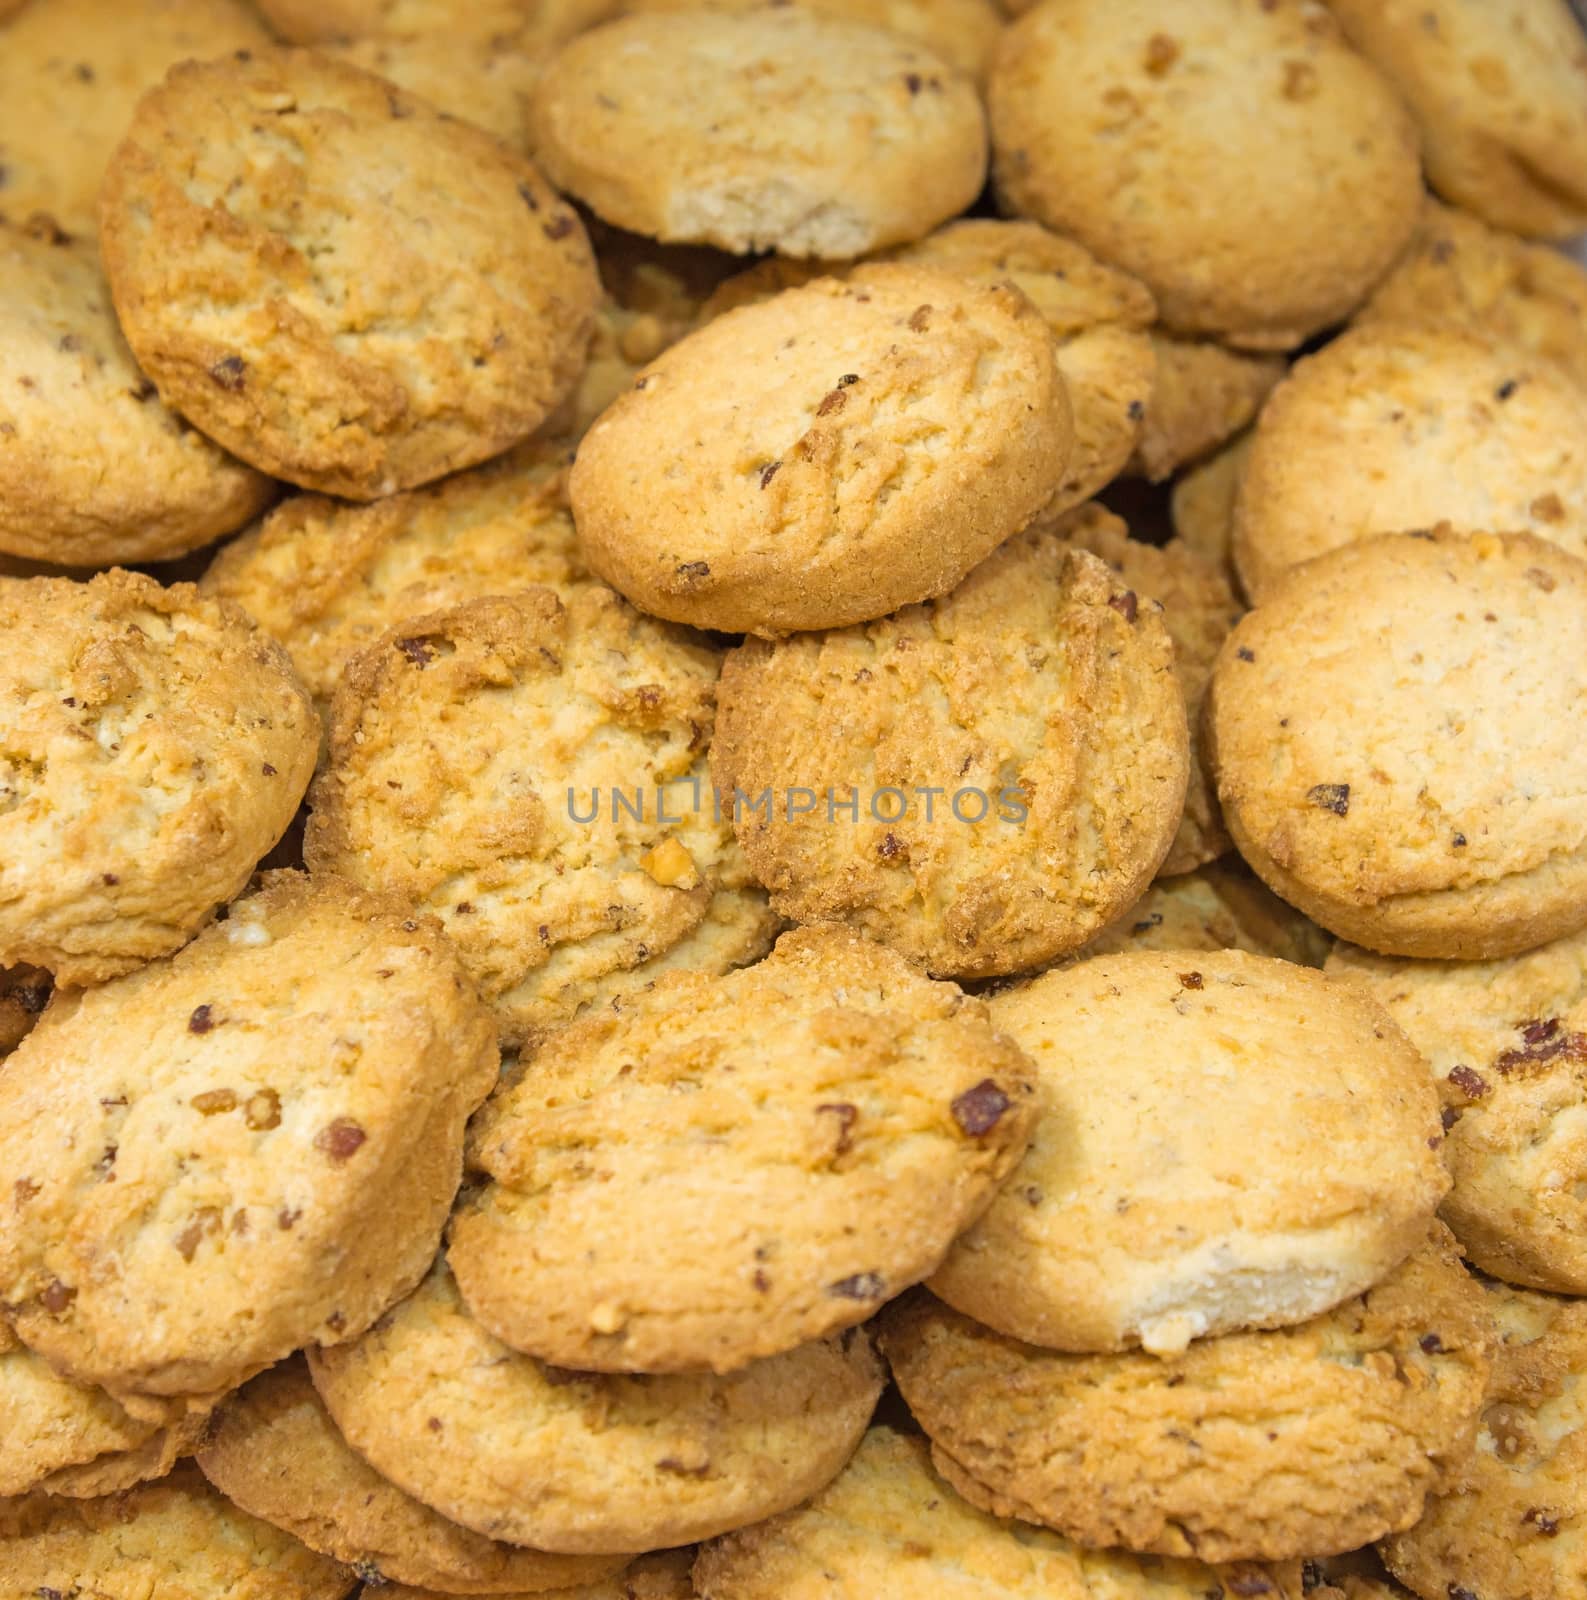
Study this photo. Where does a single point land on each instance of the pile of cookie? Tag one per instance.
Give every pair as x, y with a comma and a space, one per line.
792, 799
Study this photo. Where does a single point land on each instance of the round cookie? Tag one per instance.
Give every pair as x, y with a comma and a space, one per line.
1135, 1218
663, 1576
1104, 117
274, 1451
826, 456
1012, 758
1510, 1525
153, 746
1444, 815
533, 771
335, 282
326, 21
326, 579
847, 1119
1201, 504
94, 470
1500, 90
1507, 1043
583, 1463
773, 129
263, 1133
24, 993
1251, 1446
888, 1528
1399, 426
71, 75
1202, 396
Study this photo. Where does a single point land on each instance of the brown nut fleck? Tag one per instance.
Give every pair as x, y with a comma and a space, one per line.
340, 1140
212, 1102
1334, 797
979, 1110
263, 1111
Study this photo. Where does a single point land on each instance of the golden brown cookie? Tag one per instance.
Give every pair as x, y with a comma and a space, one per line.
663, 1576
1202, 396
1396, 426
775, 128
845, 1119
583, 1463
1507, 1043
533, 771
1394, 739
334, 281
153, 746
1106, 116
1511, 1522
24, 993
273, 1451
263, 1133
1202, 504
982, 782
828, 455
325, 21
1251, 1446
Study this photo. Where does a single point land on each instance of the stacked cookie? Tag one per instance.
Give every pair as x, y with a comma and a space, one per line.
718, 952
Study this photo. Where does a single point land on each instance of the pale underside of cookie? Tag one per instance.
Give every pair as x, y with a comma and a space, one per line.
1202, 396
1251, 1446
1397, 426
583, 1463
24, 993
327, 21
845, 1119
534, 773
1105, 117
773, 129
334, 281
663, 1576
828, 455
1013, 761
1507, 1044
1444, 815
1201, 504
153, 747
264, 1133
1135, 1219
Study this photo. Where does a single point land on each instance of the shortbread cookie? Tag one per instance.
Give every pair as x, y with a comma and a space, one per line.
826, 456
1252, 1446
335, 282
1398, 426
663, 1576
1507, 1042
176, 1539
983, 782
1394, 736
1511, 1524
1202, 396
325, 21
274, 1451
533, 771
1104, 117
888, 1528
93, 469
153, 746
71, 74
847, 1118
1135, 1218
583, 1463
772, 129
327, 579
24, 993
1500, 90
263, 1133
1201, 505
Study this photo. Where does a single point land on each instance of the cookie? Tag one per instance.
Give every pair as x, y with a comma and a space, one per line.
769, 129
888, 1528
326, 21
826, 456
24, 993
1251, 1446
1507, 1043
533, 772
983, 782
1441, 818
326, 579
1202, 396
334, 281
94, 469
1500, 90
664, 1576
71, 74
847, 1119
583, 1463
274, 1451
177, 1539
1201, 504
153, 746
1105, 116
263, 1133
1510, 1524
1398, 426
